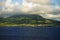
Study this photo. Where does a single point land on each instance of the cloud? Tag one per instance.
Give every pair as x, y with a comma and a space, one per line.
51, 16
36, 6
29, 6
40, 7
54, 14
39, 1
8, 2
1, 3
11, 7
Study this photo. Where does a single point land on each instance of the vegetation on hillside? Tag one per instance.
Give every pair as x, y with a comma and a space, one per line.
26, 20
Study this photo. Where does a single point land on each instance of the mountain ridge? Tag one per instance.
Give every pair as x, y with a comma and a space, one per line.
27, 19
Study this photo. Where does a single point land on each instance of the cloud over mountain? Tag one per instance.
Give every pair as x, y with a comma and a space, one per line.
41, 7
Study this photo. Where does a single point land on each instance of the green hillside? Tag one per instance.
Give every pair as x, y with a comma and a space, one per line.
25, 19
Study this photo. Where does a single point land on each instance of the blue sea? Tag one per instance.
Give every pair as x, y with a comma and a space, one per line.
30, 33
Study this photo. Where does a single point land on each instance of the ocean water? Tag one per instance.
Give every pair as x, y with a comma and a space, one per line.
29, 33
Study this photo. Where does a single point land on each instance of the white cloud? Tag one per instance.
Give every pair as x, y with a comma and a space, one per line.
43, 7
11, 7
51, 16
39, 1
36, 7
28, 5
8, 2
54, 13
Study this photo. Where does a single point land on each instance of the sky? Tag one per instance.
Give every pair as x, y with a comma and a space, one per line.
57, 2
49, 9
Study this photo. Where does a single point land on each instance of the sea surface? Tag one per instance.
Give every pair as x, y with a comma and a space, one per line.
30, 33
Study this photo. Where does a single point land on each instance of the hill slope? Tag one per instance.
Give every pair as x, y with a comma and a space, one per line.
27, 19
